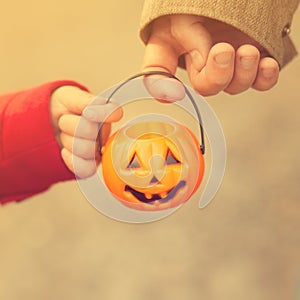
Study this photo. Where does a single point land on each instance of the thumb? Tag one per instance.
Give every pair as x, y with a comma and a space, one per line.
161, 54
194, 38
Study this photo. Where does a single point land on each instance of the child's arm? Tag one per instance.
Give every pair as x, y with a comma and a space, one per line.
31, 141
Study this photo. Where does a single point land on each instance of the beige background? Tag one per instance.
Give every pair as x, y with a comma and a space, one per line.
244, 245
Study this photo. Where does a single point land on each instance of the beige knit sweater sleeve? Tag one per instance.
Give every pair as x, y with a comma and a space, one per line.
266, 21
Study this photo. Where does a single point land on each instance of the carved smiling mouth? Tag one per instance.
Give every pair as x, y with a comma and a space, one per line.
165, 197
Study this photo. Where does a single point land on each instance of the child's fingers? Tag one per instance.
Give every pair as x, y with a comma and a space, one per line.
81, 167
78, 146
86, 129
76, 99
67, 158
105, 132
110, 112
73, 98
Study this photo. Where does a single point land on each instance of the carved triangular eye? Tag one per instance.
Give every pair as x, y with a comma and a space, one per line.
134, 163
171, 159
154, 180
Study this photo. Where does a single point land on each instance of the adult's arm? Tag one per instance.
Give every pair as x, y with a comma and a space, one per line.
266, 21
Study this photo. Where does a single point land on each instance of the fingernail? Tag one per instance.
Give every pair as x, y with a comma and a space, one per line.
89, 114
197, 59
248, 61
223, 59
268, 73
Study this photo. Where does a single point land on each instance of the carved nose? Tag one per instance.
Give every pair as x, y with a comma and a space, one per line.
154, 180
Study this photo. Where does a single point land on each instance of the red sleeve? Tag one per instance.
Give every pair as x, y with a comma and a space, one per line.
30, 160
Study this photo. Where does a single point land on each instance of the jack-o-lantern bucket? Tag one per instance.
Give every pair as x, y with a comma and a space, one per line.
152, 165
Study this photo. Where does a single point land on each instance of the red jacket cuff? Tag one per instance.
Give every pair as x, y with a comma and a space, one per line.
30, 158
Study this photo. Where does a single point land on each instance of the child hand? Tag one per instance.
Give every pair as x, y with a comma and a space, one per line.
218, 57
68, 106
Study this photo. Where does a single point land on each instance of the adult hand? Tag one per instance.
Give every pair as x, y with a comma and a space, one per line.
218, 57
70, 105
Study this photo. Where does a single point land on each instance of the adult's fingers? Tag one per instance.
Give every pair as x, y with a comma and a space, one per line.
268, 73
173, 36
162, 50
170, 38
217, 73
161, 54
245, 70
193, 37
